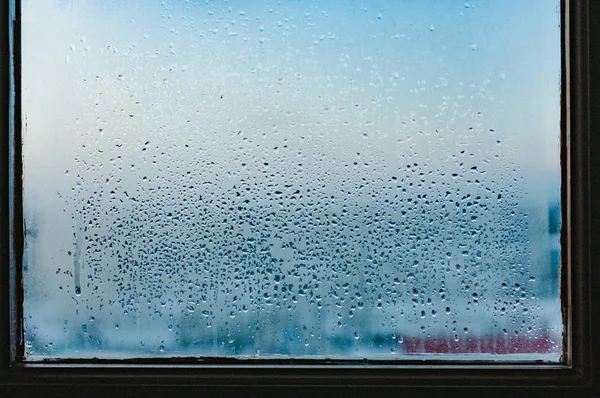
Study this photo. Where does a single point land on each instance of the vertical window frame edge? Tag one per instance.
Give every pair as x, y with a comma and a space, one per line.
15, 188
5, 92
576, 276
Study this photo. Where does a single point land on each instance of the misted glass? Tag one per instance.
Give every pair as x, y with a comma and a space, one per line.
292, 179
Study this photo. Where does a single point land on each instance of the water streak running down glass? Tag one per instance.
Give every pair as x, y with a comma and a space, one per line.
294, 179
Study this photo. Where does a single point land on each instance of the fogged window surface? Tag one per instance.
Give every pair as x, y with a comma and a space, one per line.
293, 179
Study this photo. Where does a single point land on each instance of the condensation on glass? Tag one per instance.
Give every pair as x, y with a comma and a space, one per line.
295, 179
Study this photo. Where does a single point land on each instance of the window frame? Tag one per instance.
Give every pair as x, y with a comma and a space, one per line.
580, 287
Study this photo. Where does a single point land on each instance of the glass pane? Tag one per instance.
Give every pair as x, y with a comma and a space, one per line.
294, 179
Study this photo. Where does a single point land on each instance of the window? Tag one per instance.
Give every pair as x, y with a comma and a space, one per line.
300, 217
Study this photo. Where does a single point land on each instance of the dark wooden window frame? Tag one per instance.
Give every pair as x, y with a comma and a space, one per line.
580, 285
